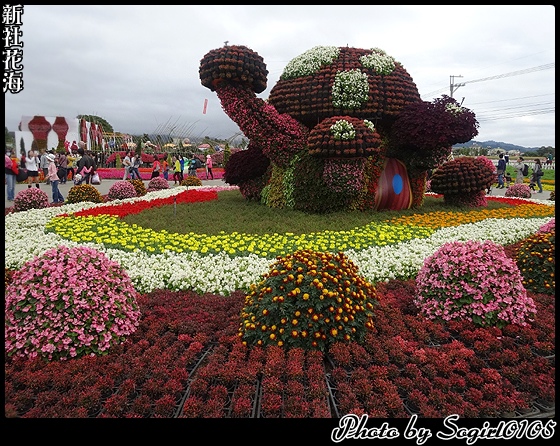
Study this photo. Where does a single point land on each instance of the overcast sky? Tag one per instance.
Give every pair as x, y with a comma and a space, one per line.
137, 66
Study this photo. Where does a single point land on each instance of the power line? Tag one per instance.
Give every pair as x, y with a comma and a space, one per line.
499, 76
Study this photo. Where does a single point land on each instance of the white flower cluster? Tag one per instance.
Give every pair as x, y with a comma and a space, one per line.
454, 109
310, 62
342, 129
379, 61
350, 89
370, 125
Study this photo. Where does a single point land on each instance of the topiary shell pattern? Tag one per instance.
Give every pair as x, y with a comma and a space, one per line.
309, 99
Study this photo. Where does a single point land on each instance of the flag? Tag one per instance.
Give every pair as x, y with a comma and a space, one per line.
205, 106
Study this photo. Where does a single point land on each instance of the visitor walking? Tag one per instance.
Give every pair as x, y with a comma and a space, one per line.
518, 166
54, 179
127, 164
62, 167
537, 175
178, 175
32, 166
10, 174
501, 170
156, 167
136, 162
44, 165
209, 166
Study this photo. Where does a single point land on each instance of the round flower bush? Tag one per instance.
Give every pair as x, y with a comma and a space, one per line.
158, 183
30, 198
536, 261
69, 302
518, 190
473, 281
121, 190
84, 192
139, 187
463, 181
308, 300
191, 180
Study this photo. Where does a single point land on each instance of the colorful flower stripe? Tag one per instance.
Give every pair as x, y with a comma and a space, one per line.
122, 209
112, 232
220, 273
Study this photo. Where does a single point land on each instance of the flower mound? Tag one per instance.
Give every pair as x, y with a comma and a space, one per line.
473, 281
121, 190
536, 261
191, 180
139, 187
158, 183
308, 300
69, 302
30, 198
519, 191
84, 192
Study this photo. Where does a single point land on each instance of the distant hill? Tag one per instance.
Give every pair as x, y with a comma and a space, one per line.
496, 145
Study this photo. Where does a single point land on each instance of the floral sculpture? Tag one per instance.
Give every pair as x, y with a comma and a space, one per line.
344, 128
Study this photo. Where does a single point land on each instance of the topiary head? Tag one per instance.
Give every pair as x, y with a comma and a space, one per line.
536, 260
121, 190
84, 192
308, 300
473, 281
30, 198
69, 302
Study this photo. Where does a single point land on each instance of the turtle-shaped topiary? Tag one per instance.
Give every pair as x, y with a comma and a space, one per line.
331, 105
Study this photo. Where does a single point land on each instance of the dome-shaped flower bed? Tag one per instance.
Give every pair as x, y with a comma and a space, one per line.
536, 261
473, 281
30, 198
518, 190
157, 183
67, 303
121, 190
84, 192
139, 187
308, 300
191, 180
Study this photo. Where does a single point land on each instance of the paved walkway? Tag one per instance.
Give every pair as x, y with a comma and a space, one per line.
106, 184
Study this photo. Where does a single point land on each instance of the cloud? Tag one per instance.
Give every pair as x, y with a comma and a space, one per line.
137, 66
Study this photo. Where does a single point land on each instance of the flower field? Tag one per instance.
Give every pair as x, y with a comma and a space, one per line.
186, 358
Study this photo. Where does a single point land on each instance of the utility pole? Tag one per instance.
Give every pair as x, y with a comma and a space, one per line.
453, 87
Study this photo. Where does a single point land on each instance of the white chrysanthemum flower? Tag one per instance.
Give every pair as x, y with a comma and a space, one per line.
350, 89
310, 62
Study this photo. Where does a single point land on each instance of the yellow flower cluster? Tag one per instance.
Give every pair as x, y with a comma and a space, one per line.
308, 300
